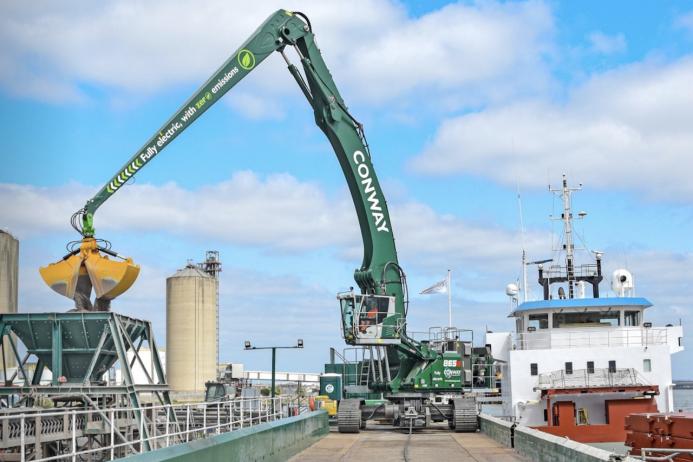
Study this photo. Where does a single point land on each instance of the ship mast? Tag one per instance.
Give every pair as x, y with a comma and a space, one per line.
568, 246
589, 273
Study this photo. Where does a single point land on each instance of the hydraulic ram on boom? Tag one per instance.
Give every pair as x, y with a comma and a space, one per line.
373, 317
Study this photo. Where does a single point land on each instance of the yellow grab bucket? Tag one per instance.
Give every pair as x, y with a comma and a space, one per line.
109, 278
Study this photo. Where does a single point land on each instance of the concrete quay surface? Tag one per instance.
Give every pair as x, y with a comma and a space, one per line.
383, 443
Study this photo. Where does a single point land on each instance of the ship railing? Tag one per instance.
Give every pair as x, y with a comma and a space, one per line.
590, 378
663, 454
112, 433
591, 337
557, 271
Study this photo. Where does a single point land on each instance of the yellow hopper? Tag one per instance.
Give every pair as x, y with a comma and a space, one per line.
87, 267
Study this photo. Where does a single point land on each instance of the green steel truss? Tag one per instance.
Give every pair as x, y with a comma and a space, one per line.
79, 348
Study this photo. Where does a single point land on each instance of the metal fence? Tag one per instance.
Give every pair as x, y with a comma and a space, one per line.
111, 433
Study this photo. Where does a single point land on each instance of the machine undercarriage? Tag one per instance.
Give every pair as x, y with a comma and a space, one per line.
410, 412
375, 382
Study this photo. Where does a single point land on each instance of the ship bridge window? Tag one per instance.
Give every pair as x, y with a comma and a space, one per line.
631, 318
539, 321
587, 319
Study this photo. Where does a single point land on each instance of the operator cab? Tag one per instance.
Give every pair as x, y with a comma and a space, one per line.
216, 391
370, 319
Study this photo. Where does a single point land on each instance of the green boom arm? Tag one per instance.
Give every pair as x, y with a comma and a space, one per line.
379, 272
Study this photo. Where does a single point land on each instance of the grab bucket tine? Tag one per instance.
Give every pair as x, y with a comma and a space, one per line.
62, 276
110, 278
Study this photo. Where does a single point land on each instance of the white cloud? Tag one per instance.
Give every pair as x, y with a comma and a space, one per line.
254, 107
277, 213
24, 82
375, 50
629, 128
607, 44
483, 255
486, 47
28, 210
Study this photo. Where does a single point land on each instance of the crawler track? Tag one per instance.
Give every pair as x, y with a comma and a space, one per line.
349, 416
465, 416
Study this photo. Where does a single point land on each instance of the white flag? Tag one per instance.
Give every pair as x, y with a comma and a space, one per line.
437, 288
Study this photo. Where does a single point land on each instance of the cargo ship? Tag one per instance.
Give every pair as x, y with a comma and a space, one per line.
580, 361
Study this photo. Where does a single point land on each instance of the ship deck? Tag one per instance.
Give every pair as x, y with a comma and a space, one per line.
383, 443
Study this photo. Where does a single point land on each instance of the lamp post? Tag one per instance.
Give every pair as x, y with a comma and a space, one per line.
249, 346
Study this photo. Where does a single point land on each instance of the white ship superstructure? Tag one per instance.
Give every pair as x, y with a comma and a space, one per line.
578, 363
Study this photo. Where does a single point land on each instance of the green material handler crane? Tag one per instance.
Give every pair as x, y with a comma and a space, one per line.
422, 381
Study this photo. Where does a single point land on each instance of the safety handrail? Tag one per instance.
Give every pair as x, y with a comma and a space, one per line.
167, 424
580, 338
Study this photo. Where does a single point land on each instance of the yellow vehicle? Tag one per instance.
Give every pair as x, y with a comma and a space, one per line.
324, 402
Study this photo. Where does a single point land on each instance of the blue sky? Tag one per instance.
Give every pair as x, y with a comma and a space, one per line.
462, 103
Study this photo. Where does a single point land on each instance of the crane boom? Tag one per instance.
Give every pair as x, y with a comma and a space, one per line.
379, 272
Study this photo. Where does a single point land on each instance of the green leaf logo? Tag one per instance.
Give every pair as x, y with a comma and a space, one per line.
246, 59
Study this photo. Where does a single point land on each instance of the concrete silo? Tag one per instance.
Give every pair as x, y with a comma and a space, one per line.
9, 271
191, 329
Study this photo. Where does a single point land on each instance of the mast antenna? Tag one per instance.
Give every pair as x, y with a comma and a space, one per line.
525, 287
567, 219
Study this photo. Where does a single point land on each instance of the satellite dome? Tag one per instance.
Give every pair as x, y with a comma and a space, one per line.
511, 290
